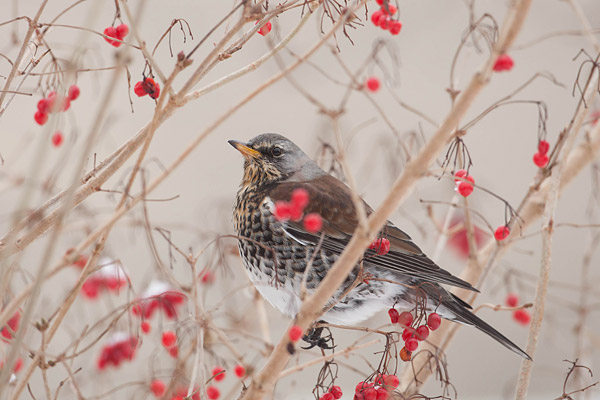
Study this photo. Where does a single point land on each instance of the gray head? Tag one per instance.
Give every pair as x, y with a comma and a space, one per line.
271, 158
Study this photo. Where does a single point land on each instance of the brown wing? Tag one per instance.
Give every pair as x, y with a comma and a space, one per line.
331, 198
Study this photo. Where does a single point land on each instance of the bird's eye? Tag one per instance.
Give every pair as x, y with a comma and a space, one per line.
277, 151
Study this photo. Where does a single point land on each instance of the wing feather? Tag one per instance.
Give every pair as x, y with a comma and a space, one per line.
332, 200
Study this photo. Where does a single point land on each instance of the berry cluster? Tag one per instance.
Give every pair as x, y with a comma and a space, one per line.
110, 277
118, 33
412, 335
464, 182
501, 232
265, 29
522, 316
379, 389
54, 103
294, 210
381, 246
504, 62
334, 393
8, 331
120, 347
383, 17
541, 157
147, 86
218, 374
169, 342
158, 295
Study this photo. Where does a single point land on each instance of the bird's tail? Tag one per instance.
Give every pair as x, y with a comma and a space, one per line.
465, 316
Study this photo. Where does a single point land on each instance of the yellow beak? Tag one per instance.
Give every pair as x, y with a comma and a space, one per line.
244, 149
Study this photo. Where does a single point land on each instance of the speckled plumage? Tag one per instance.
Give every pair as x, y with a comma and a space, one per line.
276, 253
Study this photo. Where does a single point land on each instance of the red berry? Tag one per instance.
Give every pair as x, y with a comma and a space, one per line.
370, 394
40, 117
543, 147
212, 393
380, 2
146, 327
382, 394
327, 396
375, 17
458, 175
362, 386
407, 333
207, 277
169, 338
300, 198
501, 232
392, 9
18, 365
111, 32
411, 344
381, 246
74, 92
174, 351
422, 333
122, 31
139, 90
66, 104
394, 315
336, 391
406, 319
391, 381
151, 87
158, 387
503, 63
283, 210
57, 139
81, 261
218, 373
295, 333
434, 321
372, 84
405, 355
395, 27
512, 300
239, 371
541, 160
465, 189
385, 22
313, 222
265, 29
43, 106
522, 316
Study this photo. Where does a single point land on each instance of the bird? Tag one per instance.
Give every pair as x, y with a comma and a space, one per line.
276, 251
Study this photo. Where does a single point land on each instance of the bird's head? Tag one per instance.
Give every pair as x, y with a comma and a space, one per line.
271, 158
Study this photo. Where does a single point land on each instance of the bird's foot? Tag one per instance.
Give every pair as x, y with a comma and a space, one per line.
315, 338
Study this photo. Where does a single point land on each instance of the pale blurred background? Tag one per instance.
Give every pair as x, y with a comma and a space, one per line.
501, 146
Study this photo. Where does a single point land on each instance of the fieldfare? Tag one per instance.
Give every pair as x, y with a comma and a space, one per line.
276, 251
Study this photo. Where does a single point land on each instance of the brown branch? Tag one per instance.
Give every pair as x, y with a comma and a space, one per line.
13, 71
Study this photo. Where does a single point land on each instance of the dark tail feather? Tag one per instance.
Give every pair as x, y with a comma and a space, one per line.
465, 316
